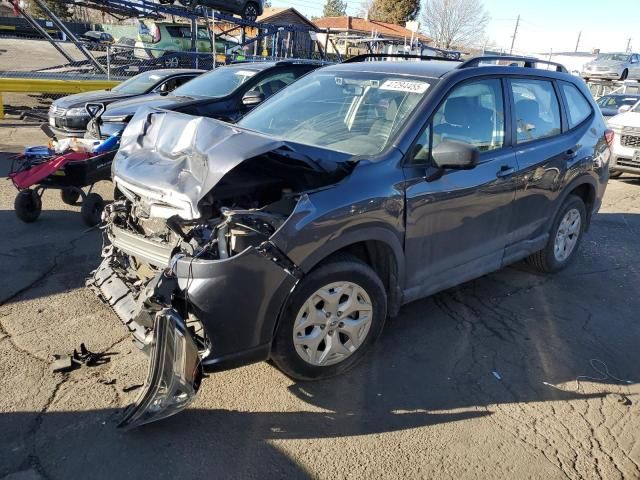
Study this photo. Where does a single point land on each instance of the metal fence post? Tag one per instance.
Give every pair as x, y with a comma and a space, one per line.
108, 62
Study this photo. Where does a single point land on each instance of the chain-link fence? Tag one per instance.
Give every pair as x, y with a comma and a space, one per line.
24, 58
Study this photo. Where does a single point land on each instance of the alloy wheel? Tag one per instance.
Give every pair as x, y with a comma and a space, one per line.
567, 235
332, 323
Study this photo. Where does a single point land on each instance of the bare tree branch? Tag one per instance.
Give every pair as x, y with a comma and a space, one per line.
455, 22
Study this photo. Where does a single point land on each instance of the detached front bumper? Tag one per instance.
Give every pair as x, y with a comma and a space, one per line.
175, 373
175, 368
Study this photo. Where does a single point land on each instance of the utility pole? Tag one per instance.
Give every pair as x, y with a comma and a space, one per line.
515, 32
628, 45
578, 42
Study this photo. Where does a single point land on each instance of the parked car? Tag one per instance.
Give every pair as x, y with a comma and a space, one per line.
247, 9
68, 117
169, 44
613, 66
611, 104
226, 93
96, 38
295, 233
625, 149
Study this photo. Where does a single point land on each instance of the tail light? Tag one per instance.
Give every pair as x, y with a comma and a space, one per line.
608, 135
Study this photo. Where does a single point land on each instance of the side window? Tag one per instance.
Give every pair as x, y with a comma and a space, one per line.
421, 149
537, 110
273, 83
472, 113
578, 107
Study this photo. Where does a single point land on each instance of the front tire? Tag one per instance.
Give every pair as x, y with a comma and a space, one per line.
625, 74
28, 205
91, 210
564, 238
250, 12
331, 320
69, 196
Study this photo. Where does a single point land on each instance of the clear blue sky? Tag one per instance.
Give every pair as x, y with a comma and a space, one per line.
544, 24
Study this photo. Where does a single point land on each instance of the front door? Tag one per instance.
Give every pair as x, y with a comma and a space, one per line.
457, 220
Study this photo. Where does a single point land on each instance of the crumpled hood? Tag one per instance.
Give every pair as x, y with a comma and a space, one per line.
172, 160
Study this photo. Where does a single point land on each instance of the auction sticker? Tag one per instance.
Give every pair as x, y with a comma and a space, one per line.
404, 86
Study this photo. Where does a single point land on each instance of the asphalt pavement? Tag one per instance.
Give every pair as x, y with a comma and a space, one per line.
485, 380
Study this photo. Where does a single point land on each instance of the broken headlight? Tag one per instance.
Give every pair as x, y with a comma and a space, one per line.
175, 372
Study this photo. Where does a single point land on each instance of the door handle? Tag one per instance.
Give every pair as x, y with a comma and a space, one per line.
505, 171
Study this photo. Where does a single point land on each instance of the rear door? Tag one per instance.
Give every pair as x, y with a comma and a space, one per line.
543, 152
457, 221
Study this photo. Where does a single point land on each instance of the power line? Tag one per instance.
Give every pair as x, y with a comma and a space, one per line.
515, 32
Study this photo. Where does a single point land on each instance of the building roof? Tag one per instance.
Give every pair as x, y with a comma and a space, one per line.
271, 14
362, 25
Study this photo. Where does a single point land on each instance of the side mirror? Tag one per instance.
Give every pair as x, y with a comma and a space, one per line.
624, 108
252, 98
456, 155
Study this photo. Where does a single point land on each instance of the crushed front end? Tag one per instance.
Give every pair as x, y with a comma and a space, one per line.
189, 264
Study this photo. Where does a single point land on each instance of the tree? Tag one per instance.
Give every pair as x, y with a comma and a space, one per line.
394, 11
455, 22
59, 8
335, 8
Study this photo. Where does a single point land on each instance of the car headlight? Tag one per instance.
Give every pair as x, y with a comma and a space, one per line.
77, 112
116, 118
175, 372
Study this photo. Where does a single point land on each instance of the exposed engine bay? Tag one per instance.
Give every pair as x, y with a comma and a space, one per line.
187, 223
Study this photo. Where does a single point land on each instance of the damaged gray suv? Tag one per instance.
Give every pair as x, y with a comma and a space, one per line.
294, 234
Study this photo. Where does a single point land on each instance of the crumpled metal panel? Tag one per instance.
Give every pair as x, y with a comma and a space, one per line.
176, 159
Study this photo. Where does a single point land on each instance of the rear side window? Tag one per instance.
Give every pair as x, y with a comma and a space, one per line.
537, 111
578, 107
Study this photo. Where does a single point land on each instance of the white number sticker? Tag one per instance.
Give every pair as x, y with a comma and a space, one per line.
404, 86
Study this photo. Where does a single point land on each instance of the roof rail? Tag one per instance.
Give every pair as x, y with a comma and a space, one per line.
364, 56
529, 62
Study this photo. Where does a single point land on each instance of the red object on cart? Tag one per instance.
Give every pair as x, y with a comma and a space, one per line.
26, 178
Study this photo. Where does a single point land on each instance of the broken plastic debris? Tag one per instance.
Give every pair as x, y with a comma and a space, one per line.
497, 375
66, 363
130, 388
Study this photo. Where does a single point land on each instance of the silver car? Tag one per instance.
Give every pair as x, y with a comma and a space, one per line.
613, 66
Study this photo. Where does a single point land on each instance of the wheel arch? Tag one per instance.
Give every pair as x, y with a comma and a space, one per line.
378, 247
583, 187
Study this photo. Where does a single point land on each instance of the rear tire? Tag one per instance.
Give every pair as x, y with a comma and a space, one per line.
69, 196
91, 210
567, 231
28, 205
332, 342
615, 174
250, 12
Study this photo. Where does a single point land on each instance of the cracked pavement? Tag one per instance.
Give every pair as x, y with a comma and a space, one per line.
478, 381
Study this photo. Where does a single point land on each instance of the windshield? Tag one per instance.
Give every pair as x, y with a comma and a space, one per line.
218, 83
616, 101
351, 112
616, 57
141, 83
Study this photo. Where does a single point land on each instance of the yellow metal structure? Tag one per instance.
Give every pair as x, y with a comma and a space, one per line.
42, 85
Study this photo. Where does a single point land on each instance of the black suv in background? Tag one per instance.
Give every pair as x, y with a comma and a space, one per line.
294, 234
226, 93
